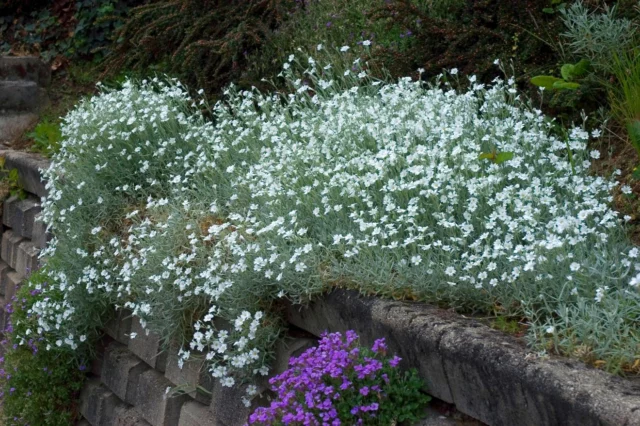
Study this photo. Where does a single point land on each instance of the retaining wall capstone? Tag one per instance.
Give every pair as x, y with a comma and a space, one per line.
488, 375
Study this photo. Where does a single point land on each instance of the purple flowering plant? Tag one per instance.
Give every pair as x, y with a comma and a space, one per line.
340, 383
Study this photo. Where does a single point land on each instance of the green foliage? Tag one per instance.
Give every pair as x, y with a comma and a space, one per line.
12, 178
471, 39
569, 73
506, 324
204, 42
40, 385
597, 35
625, 94
46, 137
74, 29
496, 157
555, 6
335, 23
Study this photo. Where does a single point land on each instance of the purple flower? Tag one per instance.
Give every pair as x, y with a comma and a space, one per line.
395, 361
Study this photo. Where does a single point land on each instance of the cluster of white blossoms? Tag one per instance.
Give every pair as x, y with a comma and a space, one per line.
394, 188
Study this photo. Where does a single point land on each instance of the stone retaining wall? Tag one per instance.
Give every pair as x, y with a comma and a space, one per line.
486, 374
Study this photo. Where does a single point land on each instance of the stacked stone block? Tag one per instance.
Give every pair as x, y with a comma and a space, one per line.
134, 372
22, 238
137, 382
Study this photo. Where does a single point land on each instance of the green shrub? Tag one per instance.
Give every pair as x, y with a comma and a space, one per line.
625, 93
80, 30
597, 35
40, 382
204, 42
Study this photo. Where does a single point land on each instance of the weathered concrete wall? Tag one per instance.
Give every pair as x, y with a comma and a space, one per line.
22, 235
132, 375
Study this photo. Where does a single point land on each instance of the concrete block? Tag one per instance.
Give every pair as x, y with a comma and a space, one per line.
29, 167
288, 348
9, 249
39, 235
147, 346
192, 376
128, 416
25, 68
19, 215
4, 270
119, 326
157, 406
98, 359
97, 403
121, 371
227, 407
11, 287
4, 315
195, 414
27, 258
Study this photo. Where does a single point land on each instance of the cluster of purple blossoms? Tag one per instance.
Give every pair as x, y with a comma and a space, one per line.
327, 381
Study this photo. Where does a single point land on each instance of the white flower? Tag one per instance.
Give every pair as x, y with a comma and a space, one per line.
453, 71
344, 48
600, 293
595, 154
319, 47
366, 43
626, 189
574, 266
550, 330
450, 271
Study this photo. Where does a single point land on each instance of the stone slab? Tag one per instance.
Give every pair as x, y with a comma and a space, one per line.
486, 374
29, 167
26, 68
22, 96
13, 125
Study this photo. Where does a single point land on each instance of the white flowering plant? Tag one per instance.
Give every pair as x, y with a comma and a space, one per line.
203, 227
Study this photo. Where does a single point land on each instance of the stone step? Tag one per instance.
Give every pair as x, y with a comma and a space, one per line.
13, 126
27, 68
22, 96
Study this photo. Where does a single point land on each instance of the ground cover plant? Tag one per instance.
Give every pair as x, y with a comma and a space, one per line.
470, 199
339, 382
40, 384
